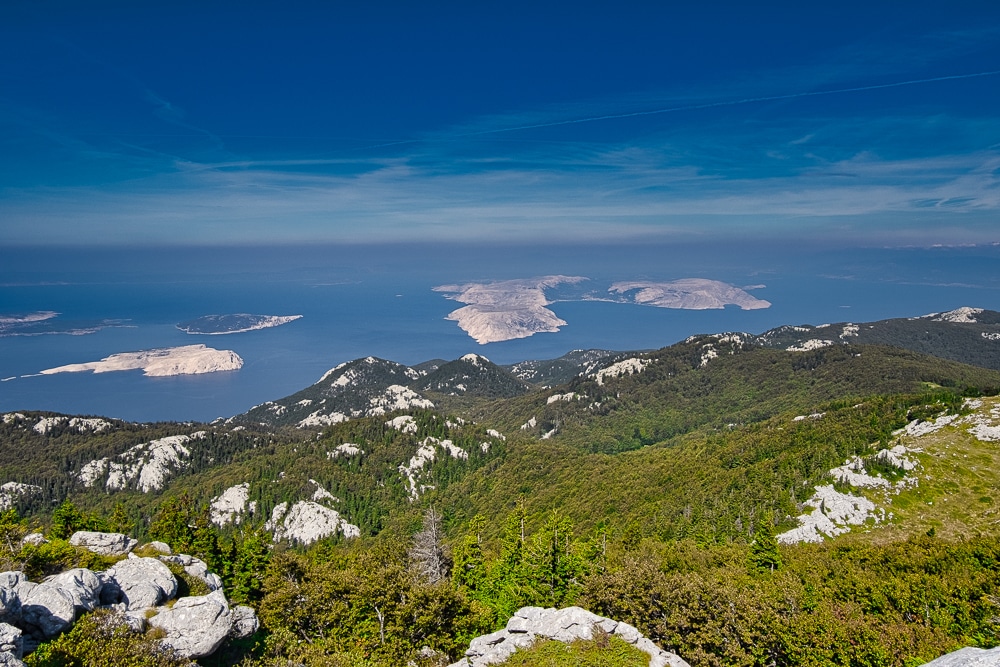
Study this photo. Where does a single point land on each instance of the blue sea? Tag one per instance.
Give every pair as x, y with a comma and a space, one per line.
378, 300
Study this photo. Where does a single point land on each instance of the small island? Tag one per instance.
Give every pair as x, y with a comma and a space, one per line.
687, 294
509, 309
161, 362
217, 325
506, 309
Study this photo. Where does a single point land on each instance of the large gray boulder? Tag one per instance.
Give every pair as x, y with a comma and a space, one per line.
162, 547
245, 622
565, 625
83, 586
195, 626
968, 657
10, 604
9, 660
105, 544
138, 583
34, 539
11, 640
47, 610
13, 586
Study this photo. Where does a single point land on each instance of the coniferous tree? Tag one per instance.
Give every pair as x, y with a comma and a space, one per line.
66, 520
249, 557
12, 530
171, 523
764, 555
205, 541
120, 521
468, 570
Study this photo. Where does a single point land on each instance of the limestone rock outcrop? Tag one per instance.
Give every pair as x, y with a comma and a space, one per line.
162, 547
8, 660
11, 641
138, 583
105, 544
968, 657
196, 626
565, 625
14, 586
52, 606
245, 622
137, 587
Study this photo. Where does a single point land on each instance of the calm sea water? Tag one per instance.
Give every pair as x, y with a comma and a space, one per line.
359, 301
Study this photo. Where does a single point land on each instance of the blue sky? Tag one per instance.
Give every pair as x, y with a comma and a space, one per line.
257, 123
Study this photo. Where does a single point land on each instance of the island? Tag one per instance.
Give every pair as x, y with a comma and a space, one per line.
216, 325
506, 309
48, 322
509, 309
161, 362
688, 293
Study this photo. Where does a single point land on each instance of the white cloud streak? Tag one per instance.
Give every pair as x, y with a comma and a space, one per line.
620, 193
692, 178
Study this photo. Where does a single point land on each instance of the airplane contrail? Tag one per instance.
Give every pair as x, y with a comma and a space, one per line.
730, 103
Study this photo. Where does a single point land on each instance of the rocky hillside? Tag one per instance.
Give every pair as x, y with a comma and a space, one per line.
473, 375
363, 521
372, 387
968, 335
552, 372
718, 380
151, 590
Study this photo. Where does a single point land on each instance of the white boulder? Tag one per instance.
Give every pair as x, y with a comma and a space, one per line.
245, 622
195, 626
105, 544
968, 657
195, 567
138, 583
82, 585
14, 586
162, 547
48, 610
565, 625
11, 641
9, 660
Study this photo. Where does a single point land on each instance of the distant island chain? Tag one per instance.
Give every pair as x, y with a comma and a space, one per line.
509, 309
493, 312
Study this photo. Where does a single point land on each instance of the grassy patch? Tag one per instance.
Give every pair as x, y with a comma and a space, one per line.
958, 480
599, 652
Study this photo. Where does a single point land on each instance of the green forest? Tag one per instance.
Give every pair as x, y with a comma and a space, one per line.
656, 499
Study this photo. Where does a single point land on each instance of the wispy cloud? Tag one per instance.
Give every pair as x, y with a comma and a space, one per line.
612, 194
689, 163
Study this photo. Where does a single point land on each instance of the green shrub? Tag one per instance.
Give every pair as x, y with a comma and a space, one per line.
58, 555
103, 639
598, 652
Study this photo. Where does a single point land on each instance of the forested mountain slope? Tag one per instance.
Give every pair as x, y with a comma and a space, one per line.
968, 335
719, 380
656, 487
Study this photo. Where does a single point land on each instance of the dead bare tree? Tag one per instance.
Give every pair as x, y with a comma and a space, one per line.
427, 552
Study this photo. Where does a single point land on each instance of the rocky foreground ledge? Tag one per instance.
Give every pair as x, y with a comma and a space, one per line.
142, 589
968, 657
529, 624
